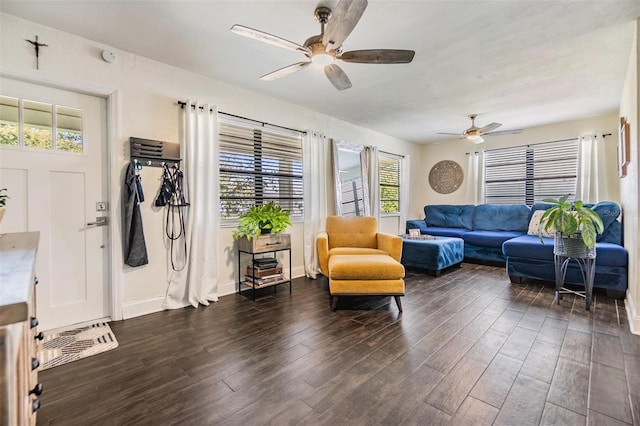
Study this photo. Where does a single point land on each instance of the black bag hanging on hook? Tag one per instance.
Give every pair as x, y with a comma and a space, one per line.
172, 195
167, 188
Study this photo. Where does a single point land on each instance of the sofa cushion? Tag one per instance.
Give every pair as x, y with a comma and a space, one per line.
608, 212
358, 231
530, 247
611, 255
534, 225
449, 215
445, 232
364, 267
496, 217
613, 234
336, 251
489, 238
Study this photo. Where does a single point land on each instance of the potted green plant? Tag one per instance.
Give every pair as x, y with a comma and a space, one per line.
268, 218
572, 220
3, 201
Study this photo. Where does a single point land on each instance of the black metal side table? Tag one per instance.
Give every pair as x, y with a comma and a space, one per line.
565, 250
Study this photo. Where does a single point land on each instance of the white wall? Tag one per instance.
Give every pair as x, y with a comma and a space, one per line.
144, 105
456, 149
629, 185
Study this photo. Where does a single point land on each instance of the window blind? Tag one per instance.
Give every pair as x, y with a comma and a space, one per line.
529, 174
259, 164
389, 177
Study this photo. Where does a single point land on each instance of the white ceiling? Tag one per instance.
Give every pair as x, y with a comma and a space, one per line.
520, 63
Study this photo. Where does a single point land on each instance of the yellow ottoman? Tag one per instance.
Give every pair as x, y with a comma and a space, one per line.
365, 275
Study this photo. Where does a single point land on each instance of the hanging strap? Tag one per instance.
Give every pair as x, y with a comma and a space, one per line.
175, 229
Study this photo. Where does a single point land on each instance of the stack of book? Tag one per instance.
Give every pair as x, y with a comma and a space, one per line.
263, 271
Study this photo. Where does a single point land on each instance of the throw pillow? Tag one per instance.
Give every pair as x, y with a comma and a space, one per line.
534, 225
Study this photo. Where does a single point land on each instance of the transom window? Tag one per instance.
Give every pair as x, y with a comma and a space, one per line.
37, 125
389, 177
258, 164
528, 174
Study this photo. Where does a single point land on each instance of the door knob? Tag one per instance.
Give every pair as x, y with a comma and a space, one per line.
100, 221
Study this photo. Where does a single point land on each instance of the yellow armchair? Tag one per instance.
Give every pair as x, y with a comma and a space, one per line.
359, 260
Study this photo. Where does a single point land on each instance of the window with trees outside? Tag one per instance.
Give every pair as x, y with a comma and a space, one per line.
389, 176
528, 174
36, 125
258, 164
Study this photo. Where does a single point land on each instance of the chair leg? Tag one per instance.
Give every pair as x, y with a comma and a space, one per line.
334, 302
398, 302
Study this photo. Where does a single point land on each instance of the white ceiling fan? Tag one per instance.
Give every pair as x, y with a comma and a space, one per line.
325, 48
474, 133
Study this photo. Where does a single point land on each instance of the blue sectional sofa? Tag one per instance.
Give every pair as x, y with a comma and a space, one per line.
500, 233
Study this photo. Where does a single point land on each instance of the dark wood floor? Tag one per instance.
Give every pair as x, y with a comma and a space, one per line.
469, 348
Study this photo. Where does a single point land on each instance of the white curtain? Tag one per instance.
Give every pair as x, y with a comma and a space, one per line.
405, 181
373, 163
475, 178
197, 283
591, 186
314, 150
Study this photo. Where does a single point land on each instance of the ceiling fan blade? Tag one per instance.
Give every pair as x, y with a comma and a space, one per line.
343, 20
504, 132
489, 127
452, 134
378, 56
337, 77
283, 72
268, 38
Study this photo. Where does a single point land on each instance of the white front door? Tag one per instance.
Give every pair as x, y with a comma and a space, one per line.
53, 151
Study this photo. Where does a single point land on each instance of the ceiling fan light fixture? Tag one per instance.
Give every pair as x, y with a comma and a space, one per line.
475, 139
322, 59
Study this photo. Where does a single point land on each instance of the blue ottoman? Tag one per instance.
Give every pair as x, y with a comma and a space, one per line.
434, 255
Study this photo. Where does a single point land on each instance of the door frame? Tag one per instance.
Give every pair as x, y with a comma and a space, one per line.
113, 127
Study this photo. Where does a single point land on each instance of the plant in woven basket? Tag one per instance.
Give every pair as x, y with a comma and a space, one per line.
267, 218
570, 219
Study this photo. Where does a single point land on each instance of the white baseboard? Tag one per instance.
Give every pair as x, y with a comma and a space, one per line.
227, 288
142, 307
632, 314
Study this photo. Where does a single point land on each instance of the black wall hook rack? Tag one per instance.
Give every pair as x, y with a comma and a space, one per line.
153, 153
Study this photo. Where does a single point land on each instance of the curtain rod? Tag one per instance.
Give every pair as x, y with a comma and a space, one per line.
262, 123
604, 135
390, 153
533, 144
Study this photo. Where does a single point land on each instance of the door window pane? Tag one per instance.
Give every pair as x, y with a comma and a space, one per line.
9, 128
38, 121
68, 129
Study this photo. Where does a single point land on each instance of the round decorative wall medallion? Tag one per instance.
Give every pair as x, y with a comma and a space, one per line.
446, 176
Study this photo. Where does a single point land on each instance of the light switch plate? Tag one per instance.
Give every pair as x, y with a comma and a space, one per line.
101, 206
